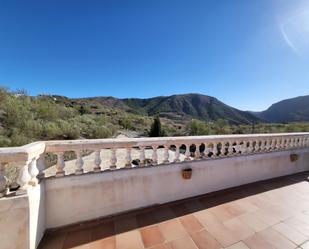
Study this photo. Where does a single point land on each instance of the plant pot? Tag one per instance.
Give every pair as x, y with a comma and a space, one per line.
186, 174
294, 157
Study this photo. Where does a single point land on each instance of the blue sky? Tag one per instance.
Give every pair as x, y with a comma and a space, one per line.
247, 53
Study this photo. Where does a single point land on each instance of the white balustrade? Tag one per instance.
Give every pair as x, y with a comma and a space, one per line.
187, 153
166, 154
79, 163
177, 153
97, 161
60, 165
128, 158
154, 155
32, 157
142, 157
113, 159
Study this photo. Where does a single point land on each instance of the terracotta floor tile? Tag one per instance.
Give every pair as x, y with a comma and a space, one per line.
257, 242
223, 235
253, 222
207, 218
276, 239
240, 207
183, 243
280, 212
151, 236
172, 230
191, 224
204, 240
163, 246
107, 243
258, 201
299, 225
129, 240
290, 233
125, 224
77, 238
239, 229
238, 245
222, 212
265, 217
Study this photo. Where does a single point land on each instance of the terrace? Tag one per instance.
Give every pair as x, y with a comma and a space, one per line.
171, 192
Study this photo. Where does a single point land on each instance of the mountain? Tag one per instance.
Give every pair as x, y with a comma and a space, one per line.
289, 110
183, 106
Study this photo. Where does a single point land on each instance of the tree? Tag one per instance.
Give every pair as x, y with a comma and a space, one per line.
156, 130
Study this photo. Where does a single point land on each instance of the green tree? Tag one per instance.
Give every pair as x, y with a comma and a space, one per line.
156, 129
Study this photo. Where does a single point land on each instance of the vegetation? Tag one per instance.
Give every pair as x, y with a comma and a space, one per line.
197, 127
156, 130
24, 119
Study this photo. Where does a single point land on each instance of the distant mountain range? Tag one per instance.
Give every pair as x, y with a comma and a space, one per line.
289, 110
203, 107
183, 106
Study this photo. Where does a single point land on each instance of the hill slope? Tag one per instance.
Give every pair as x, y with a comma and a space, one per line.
289, 110
180, 106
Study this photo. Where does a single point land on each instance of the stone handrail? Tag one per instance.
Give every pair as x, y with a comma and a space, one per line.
29, 157
192, 147
188, 148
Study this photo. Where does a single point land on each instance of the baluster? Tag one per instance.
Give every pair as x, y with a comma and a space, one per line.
197, 154
187, 153
237, 147
155, 154
267, 145
278, 143
113, 159
142, 156
262, 147
257, 146
287, 143
306, 142
206, 151
79, 163
128, 158
302, 139
24, 177
214, 150
177, 153
230, 149
243, 147
299, 142
292, 143
273, 144
222, 149
166, 154
33, 172
41, 166
60, 165
250, 147
3, 181
97, 161
282, 143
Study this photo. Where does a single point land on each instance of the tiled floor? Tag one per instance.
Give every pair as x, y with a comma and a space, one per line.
265, 215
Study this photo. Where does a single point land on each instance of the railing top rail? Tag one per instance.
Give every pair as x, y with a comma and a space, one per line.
60, 145
22, 153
